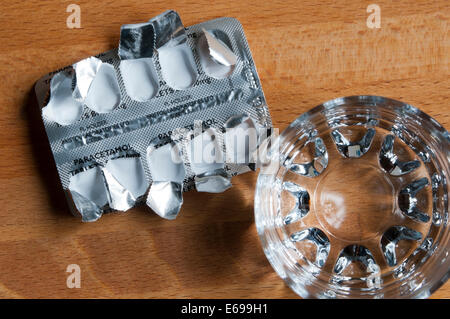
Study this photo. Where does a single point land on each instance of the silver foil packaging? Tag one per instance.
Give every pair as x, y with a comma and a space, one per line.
216, 57
62, 108
121, 125
204, 152
136, 49
125, 180
165, 196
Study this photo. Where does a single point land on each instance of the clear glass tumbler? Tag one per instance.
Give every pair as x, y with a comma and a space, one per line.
352, 201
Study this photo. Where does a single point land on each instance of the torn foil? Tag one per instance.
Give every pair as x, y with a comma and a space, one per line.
88, 192
218, 50
165, 199
87, 209
178, 67
125, 180
215, 181
136, 48
62, 108
104, 94
242, 138
216, 55
85, 72
136, 41
119, 198
168, 29
96, 85
207, 161
165, 196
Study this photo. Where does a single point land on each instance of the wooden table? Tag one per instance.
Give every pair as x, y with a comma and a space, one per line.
306, 52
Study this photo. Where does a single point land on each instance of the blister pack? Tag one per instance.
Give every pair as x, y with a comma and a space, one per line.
133, 125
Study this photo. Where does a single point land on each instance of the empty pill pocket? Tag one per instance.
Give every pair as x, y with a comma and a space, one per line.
206, 159
125, 180
165, 163
165, 196
216, 55
177, 66
89, 193
62, 108
104, 94
140, 78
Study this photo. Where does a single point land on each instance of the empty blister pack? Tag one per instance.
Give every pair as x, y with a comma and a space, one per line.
124, 125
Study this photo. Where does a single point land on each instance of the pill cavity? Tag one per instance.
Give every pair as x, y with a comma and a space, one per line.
85, 70
104, 93
177, 66
90, 185
165, 163
165, 196
129, 173
140, 79
216, 57
62, 107
241, 139
207, 162
205, 153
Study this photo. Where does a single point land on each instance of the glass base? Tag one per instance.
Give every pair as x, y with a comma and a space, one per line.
357, 204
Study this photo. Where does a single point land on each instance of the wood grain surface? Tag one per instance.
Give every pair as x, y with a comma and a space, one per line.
306, 52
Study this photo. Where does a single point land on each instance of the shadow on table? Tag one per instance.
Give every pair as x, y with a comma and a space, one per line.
42, 154
213, 242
